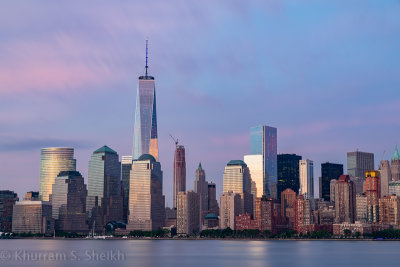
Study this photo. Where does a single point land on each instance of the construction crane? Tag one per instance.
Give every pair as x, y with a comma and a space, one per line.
175, 140
384, 151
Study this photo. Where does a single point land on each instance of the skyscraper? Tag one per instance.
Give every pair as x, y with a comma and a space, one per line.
53, 160
230, 207
69, 202
359, 162
146, 201
303, 213
306, 170
7, 201
263, 141
288, 199
126, 166
373, 188
212, 199
389, 210
386, 177
395, 165
288, 172
179, 172
345, 200
201, 187
329, 171
104, 187
145, 138
237, 179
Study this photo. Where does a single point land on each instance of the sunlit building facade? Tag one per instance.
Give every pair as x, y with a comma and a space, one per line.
32, 217
373, 192
263, 141
386, 177
145, 137
53, 160
345, 200
146, 201
306, 171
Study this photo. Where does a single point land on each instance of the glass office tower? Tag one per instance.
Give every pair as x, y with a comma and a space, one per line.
53, 160
145, 139
359, 162
263, 141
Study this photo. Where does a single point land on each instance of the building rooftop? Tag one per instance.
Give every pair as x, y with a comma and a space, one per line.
211, 216
396, 155
236, 162
105, 149
147, 157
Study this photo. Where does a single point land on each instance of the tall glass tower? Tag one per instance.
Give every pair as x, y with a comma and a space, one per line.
263, 141
145, 139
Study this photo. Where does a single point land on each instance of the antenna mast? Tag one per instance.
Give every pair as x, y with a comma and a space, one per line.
147, 44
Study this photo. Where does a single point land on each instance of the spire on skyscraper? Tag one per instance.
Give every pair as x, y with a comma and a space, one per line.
147, 44
200, 168
396, 155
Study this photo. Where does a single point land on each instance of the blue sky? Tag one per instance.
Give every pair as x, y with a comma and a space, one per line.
325, 73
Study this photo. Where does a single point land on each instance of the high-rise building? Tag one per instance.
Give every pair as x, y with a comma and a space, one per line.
306, 170
7, 201
264, 215
126, 166
188, 213
32, 217
104, 201
263, 141
288, 199
386, 177
345, 200
389, 210
179, 172
359, 162
68, 201
303, 213
332, 190
53, 160
373, 189
201, 187
212, 199
237, 179
288, 172
146, 201
230, 207
145, 138
361, 207
395, 165
329, 171
255, 164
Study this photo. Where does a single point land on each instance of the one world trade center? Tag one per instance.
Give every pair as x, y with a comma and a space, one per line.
145, 139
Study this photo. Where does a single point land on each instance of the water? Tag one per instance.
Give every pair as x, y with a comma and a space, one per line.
205, 253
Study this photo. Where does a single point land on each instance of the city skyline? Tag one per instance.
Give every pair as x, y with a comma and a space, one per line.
73, 96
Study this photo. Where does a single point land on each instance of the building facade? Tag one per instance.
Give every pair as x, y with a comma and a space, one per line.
373, 192
230, 207
201, 187
126, 166
329, 171
263, 141
68, 201
53, 160
145, 137
303, 214
386, 176
146, 201
395, 165
345, 200
237, 179
359, 162
389, 210
288, 172
361, 207
265, 215
7, 201
33, 217
179, 175
306, 171
394, 188
188, 213
288, 200
212, 199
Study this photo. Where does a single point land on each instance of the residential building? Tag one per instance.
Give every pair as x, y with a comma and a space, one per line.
179, 175
345, 200
288, 200
389, 210
53, 160
386, 176
394, 188
373, 192
230, 207
264, 217
361, 207
146, 201
303, 213
188, 213
32, 195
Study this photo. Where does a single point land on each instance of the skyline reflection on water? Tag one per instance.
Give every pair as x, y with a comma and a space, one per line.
196, 253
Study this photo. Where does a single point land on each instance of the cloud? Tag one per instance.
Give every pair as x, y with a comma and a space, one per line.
15, 145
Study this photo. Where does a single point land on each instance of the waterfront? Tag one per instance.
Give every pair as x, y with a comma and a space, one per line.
25, 252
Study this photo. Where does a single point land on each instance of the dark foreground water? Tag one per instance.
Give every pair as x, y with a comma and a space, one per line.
205, 253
